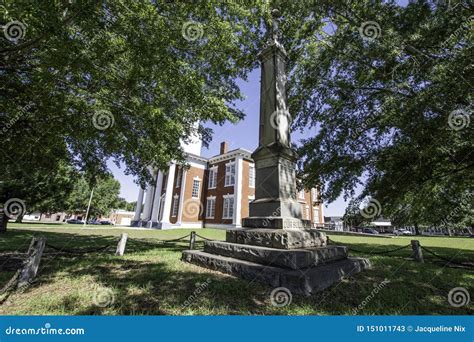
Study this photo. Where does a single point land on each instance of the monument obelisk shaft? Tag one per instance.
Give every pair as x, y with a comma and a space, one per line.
275, 205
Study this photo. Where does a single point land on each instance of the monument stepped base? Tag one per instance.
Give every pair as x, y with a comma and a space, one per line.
301, 270
286, 258
301, 281
277, 238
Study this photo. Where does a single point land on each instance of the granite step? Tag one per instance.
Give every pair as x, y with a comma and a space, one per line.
302, 281
285, 258
277, 238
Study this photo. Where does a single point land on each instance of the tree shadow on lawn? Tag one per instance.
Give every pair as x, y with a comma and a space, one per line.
150, 279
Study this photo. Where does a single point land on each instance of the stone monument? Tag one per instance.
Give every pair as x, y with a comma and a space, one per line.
276, 246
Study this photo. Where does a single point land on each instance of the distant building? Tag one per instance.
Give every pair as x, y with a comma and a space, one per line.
213, 192
46, 217
382, 225
121, 217
334, 223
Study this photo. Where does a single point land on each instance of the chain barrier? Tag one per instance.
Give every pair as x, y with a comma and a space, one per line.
446, 259
103, 248
78, 251
204, 238
450, 261
11, 283
371, 252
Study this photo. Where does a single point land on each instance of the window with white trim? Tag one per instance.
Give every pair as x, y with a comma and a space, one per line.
229, 174
213, 178
301, 194
174, 209
196, 186
252, 175
179, 177
210, 207
307, 212
316, 215
228, 208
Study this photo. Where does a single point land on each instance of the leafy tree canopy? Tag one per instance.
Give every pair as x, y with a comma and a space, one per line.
390, 90
87, 81
105, 197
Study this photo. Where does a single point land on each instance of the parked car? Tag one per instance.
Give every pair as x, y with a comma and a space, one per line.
93, 222
402, 232
106, 223
74, 221
370, 231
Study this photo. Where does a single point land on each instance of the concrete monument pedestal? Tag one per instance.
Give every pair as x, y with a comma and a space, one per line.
276, 245
303, 271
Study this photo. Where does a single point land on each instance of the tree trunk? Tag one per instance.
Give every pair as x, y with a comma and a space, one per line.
19, 219
3, 221
417, 230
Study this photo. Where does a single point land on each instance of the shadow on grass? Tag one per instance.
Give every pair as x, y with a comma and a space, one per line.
150, 279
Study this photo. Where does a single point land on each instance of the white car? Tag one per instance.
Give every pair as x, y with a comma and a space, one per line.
402, 232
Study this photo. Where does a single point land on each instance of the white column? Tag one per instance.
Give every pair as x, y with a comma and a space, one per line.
156, 200
165, 221
322, 211
147, 205
150, 191
138, 208
181, 195
239, 163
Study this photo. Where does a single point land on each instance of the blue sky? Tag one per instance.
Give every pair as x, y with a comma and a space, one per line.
244, 134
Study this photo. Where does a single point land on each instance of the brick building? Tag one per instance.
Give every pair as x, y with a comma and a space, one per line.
209, 192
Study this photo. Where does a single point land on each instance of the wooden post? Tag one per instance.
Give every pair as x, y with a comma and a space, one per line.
417, 253
121, 244
192, 240
30, 268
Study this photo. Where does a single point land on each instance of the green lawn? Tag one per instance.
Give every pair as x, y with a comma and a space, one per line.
151, 279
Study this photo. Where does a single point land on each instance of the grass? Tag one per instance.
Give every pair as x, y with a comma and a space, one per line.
151, 279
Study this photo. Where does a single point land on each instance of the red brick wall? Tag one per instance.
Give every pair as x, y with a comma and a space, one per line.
193, 208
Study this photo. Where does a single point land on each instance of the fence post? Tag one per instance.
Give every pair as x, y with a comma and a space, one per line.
192, 240
417, 253
30, 268
121, 245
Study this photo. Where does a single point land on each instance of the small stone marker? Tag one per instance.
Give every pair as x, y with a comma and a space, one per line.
192, 240
121, 245
30, 268
417, 253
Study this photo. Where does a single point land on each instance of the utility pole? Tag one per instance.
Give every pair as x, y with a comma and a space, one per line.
89, 206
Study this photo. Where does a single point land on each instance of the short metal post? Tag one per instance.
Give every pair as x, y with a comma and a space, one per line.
192, 240
417, 253
121, 245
